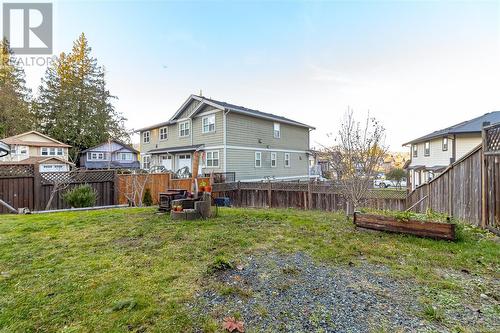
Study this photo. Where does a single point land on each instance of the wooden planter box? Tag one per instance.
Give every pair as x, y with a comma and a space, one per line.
418, 228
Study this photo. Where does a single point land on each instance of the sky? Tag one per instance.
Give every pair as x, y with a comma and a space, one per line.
415, 66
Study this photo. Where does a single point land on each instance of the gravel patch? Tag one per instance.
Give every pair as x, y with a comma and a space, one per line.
292, 293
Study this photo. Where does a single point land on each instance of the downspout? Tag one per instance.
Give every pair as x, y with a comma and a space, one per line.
224, 138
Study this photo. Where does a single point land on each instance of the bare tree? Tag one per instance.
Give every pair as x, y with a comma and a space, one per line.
135, 184
357, 151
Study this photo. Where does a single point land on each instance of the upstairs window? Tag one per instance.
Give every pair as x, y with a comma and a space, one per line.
208, 123
258, 159
415, 150
287, 160
427, 148
274, 157
445, 144
184, 128
277, 131
146, 136
45, 151
163, 133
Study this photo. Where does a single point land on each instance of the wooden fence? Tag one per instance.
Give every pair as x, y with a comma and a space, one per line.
469, 189
303, 195
23, 186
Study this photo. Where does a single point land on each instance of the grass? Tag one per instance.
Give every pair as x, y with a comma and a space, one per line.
135, 270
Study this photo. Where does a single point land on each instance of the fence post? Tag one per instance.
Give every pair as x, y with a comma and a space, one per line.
115, 188
37, 187
269, 194
309, 195
484, 183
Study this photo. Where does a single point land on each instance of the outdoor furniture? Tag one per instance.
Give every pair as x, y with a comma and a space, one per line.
192, 208
165, 199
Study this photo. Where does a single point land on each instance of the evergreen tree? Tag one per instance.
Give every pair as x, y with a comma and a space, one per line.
74, 105
15, 114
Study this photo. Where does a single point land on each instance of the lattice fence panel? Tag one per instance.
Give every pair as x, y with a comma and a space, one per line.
493, 139
77, 177
16, 170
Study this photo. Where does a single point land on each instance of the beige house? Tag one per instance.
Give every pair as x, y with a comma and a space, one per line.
208, 136
36, 148
432, 153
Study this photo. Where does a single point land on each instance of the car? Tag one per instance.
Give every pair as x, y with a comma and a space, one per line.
386, 183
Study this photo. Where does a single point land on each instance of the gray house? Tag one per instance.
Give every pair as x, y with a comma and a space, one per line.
110, 155
217, 137
432, 153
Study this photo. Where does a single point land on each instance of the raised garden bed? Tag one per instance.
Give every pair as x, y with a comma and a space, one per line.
405, 225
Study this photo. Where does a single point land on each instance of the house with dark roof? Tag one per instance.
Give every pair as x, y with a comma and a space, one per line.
110, 155
36, 148
432, 153
208, 136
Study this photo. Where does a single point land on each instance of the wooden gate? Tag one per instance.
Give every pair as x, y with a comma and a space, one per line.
17, 186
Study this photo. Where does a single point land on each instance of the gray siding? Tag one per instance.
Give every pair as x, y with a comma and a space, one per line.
209, 139
189, 109
242, 162
246, 131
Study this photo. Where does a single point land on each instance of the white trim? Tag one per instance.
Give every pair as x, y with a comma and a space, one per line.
203, 125
278, 178
199, 106
159, 133
218, 159
259, 159
206, 113
275, 159
149, 136
258, 148
274, 130
179, 128
289, 159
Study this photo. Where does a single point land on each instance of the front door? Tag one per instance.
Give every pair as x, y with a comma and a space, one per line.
184, 160
166, 161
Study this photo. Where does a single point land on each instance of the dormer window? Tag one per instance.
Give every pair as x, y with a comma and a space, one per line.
445, 144
146, 136
427, 148
277, 130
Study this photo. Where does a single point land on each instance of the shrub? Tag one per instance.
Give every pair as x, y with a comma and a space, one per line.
81, 196
219, 264
147, 199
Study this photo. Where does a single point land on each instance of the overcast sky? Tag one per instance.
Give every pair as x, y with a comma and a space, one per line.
417, 66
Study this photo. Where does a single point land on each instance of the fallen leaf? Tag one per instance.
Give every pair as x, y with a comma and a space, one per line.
232, 325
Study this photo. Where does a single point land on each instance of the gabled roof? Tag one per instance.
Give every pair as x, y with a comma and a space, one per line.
120, 143
38, 160
17, 140
224, 106
474, 125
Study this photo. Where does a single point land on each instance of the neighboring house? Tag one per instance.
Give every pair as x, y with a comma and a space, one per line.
36, 148
227, 138
110, 155
432, 153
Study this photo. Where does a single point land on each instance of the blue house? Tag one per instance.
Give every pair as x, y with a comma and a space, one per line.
110, 155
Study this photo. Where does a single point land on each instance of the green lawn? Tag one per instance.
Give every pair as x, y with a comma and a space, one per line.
134, 270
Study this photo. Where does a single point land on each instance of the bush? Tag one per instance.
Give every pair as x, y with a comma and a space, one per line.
147, 199
81, 196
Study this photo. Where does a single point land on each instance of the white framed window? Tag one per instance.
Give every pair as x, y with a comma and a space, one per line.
45, 151
53, 167
146, 162
258, 159
212, 159
415, 150
287, 160
274, 159
208, 123
96, 156
427, 148
445, 144
163, 133
277, 130
146, 136
184, 128
125, 156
